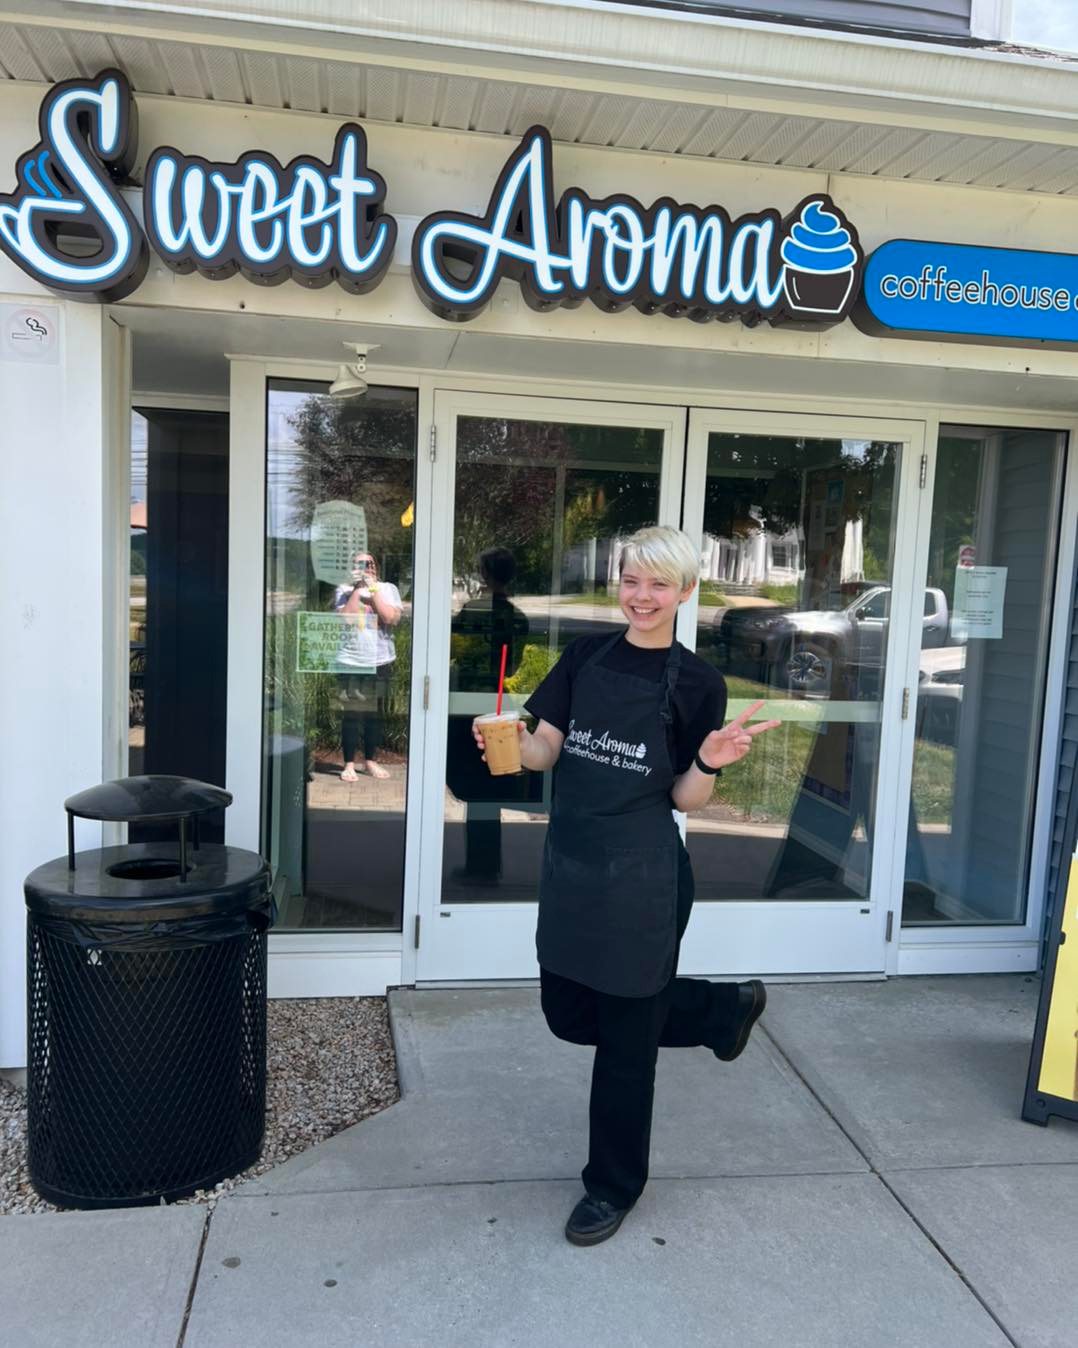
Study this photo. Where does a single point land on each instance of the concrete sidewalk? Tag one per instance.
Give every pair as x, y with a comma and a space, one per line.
860, 1176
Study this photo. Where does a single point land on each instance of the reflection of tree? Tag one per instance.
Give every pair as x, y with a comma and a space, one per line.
363, 451
738, 503
954, 508
507, 483
606, 504
505, 506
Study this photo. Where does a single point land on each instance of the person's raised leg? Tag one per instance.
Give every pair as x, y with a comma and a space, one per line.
569, 1007
699, 1012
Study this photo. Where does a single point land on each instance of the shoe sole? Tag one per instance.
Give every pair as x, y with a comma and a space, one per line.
759, 1001
577, 1238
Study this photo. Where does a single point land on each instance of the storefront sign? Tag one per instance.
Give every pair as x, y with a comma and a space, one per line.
68, 226
319, 222
67, 186
310, 221
665, 258
914, 288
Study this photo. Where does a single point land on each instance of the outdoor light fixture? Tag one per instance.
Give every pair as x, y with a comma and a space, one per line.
350, 382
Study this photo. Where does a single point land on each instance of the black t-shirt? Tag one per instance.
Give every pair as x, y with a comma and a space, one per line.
699, 700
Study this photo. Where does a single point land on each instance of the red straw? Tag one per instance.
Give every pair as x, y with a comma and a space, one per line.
501, 679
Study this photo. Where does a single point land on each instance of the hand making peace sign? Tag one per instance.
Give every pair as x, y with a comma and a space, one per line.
735, 740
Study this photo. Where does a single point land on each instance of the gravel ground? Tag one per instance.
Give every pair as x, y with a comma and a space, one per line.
331, 1064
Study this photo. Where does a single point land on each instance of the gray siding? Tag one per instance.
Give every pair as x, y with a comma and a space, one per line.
936, 18
1004, 681
1003, 691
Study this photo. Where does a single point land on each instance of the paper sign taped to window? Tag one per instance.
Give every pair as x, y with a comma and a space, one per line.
979, 594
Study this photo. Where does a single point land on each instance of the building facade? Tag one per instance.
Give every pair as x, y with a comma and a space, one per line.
282, 291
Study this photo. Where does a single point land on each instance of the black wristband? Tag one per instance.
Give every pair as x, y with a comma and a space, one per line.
703, 767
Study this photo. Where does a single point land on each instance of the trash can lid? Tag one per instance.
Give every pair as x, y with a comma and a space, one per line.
140, 882
137, 800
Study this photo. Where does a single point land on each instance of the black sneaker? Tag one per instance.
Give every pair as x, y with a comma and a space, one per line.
751, 1000
593, 1220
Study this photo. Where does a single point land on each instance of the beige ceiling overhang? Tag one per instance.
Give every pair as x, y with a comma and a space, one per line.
597, 75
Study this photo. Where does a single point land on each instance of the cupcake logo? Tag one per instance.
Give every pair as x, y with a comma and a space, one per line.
822, 260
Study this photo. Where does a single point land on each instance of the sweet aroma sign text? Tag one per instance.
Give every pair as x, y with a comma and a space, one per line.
665, 258
67, 225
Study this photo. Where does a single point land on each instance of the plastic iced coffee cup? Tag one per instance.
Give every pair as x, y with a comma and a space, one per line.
502, 740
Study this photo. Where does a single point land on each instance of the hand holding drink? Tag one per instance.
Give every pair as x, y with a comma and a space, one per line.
499, 738
498, 734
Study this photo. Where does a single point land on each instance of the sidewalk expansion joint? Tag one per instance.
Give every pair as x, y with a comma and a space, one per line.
194, 1277
874, 1170
546, 1179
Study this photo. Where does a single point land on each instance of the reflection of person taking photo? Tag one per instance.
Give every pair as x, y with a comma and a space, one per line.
370, 609
630, 723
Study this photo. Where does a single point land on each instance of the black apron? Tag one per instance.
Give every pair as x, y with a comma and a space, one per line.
608, 888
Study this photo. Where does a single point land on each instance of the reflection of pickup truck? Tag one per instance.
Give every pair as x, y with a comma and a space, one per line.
798, 649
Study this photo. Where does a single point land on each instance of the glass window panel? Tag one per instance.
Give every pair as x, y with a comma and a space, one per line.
980, 691
178, 601
798, 542
540, 512
340, 527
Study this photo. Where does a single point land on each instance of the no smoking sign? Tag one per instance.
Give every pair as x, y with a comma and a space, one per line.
30, 334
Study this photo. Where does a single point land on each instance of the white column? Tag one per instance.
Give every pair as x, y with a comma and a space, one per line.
246, 600
63, 537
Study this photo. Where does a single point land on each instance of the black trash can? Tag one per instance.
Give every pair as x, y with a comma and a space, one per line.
146, 992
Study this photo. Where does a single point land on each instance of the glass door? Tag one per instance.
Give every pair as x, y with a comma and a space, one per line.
536, 495
339, 602
992, 512
807, 529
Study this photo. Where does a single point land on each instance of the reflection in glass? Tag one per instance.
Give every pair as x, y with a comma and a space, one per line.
798, 542
540, 512
339, 569
982, 668
178, 601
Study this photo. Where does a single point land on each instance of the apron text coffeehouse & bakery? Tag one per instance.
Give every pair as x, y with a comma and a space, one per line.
311, 409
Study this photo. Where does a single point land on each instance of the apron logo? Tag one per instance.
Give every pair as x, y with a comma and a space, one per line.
606, 749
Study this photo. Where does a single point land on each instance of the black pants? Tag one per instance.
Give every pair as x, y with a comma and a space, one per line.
627, 1033
363, 708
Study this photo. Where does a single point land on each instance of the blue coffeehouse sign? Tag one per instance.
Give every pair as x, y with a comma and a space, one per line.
317, 222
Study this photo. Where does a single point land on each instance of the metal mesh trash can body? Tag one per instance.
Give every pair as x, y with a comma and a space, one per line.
146, 990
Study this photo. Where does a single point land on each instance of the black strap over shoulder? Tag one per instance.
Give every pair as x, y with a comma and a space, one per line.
673, 669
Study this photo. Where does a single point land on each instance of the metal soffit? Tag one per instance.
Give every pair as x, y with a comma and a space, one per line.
350, 89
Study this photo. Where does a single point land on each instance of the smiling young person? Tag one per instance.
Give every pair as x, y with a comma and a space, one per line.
632, 723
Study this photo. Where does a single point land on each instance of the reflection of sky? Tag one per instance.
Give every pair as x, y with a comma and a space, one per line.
1047, 23
281, 462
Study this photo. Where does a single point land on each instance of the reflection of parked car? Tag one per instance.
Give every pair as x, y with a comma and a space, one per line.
939, 694
798, 649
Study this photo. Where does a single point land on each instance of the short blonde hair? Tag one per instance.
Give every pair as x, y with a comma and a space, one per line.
664, 552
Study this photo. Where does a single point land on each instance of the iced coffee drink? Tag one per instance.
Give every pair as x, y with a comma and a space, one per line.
502, 740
